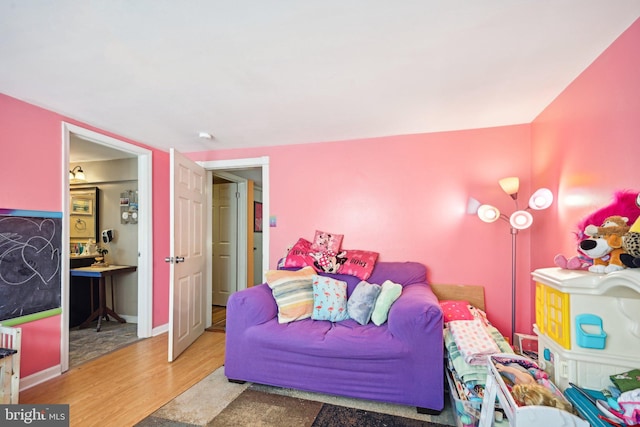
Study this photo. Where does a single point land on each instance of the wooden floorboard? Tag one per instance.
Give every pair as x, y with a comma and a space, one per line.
124, 387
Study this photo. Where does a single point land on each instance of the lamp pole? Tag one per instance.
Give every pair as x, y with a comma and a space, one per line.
518, 220
514, 233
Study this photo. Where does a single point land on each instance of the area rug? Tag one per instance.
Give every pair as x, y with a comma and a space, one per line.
256, 408
216, 402
86, 344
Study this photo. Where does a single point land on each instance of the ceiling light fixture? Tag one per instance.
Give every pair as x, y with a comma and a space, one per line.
205, 135
77, 175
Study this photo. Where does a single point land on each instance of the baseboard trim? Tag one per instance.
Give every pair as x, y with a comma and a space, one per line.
160, 329
40, 377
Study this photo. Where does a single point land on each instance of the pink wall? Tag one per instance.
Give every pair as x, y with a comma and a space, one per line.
586, 144
31, 138
404, 197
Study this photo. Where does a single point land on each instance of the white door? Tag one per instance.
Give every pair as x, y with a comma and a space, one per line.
225, 251
187, 298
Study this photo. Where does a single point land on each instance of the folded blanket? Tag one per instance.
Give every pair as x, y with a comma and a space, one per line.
473, 340
472, 374
468, 374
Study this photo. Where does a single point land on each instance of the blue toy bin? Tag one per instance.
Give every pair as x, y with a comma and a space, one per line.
593, 339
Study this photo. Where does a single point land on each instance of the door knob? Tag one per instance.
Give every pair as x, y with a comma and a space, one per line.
169, 259
179, 259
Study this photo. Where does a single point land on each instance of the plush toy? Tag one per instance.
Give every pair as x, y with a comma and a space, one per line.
631, 243
604, 244
624, 203
578, 262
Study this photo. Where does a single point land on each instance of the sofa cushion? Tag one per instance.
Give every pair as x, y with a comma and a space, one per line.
293, 292
326, 242
358, 263
362, 302
389, 293
455, 310
403, 273
332, 340
299, 255
329, 299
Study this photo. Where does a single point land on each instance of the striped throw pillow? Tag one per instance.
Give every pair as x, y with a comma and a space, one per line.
293, 292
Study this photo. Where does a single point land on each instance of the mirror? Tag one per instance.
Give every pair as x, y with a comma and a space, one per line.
83, 214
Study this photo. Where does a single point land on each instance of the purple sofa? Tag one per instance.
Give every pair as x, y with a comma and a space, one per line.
399, 362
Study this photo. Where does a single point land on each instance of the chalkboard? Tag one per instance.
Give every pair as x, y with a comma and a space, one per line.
30, 262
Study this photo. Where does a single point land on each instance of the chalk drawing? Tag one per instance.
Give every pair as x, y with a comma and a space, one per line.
30, 262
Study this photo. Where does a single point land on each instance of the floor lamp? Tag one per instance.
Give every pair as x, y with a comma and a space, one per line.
520, 219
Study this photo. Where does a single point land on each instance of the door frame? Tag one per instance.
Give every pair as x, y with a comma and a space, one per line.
263, 163
145, 232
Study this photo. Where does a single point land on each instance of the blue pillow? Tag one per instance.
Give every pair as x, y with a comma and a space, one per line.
329, 299
362, 302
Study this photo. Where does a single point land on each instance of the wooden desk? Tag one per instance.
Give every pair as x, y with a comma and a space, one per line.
101, 273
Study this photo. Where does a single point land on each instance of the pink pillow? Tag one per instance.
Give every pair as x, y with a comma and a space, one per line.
323, 242
358, 263
455, 310
299, 256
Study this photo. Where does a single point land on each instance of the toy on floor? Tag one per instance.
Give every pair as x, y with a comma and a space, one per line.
538, 395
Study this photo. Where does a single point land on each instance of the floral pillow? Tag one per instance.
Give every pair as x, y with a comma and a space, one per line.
326, 242
358, 263
329, 299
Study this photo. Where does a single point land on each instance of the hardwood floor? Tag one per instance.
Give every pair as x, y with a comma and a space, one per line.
123, 387
218, 315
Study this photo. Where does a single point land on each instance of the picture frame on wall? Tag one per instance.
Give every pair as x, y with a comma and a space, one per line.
81, 205
257, 217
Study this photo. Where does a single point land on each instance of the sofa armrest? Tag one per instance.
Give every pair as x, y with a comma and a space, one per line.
416, 309
251, 306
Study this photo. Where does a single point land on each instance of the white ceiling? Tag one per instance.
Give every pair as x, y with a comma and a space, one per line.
277, 72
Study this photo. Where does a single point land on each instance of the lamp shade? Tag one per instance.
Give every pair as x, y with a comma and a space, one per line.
521, 220
541, 199
488, 213
510, 185
77, 175
472, 206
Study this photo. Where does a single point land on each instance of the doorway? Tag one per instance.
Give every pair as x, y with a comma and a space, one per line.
100, 147
247, 275
224, 241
